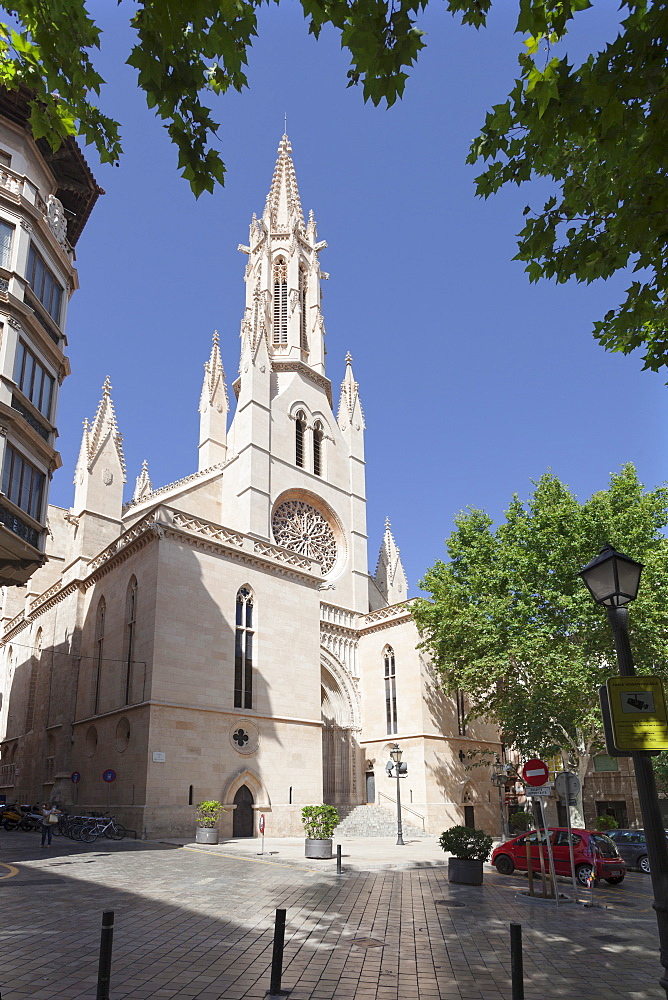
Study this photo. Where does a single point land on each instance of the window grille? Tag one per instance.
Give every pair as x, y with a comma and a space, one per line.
300, 427
22, 483
243, 650
390, 691
280, 301
317, 449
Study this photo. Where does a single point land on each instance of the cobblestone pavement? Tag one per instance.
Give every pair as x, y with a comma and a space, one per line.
198, 924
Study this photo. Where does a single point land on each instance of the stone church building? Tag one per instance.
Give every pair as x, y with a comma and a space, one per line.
222, 636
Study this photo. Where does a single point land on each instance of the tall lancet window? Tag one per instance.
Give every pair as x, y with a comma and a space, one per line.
243, 650
280, 301
99, 654
317, 448
130, 628
303, 285
300, 427
390, 691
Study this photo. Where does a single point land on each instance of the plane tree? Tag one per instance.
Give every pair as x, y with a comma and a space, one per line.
510, 624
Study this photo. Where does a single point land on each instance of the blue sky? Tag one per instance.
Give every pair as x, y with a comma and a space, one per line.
473, 382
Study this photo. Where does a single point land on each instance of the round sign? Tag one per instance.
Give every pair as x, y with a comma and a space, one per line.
109, 775
567, 785
261, 822
75, 776
535, 772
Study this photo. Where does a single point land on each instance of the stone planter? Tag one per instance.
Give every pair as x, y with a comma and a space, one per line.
464, 871
318, 848
206, 835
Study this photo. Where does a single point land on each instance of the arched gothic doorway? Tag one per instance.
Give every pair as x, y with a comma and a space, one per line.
242, 820
341, 768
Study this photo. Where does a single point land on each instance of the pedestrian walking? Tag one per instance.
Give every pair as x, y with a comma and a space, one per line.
49, 820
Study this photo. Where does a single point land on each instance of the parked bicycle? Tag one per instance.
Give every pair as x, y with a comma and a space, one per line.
104, 825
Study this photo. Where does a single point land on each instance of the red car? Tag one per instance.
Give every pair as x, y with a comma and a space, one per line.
592, 851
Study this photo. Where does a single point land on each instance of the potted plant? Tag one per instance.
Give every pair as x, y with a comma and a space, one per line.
319, 823
208, 814
469, 848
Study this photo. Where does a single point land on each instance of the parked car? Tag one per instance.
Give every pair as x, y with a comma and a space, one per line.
593, 853
632, 846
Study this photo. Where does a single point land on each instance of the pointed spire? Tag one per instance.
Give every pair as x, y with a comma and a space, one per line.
390, 577
104, 424
283, 202
349, 396
143, 485
82, 461
214, 379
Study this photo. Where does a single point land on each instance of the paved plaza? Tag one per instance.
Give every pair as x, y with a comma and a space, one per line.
196, 922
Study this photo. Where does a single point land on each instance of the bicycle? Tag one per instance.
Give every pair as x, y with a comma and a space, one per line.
105, 825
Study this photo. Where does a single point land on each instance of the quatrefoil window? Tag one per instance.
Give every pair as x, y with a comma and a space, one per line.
240, 737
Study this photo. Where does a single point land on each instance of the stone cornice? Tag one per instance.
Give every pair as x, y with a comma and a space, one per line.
384, 618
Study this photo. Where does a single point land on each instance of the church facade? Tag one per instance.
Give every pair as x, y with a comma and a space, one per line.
222, 636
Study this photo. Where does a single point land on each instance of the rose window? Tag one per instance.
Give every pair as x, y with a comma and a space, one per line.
302, 528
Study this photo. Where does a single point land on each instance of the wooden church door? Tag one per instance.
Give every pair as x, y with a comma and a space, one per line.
242, 821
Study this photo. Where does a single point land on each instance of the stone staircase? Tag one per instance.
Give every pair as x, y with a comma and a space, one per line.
375, 821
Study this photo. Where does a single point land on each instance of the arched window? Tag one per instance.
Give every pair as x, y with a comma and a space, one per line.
280, 301
243, 650
317, 448
32, 689
300, 427
130, 626
461, 712
303, 328
99, 651
390, 691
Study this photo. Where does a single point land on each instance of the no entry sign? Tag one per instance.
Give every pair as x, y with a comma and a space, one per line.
535, 772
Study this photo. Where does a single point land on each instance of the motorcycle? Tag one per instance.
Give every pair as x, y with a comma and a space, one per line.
24, 818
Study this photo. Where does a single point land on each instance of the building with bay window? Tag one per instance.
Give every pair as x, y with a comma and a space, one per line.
45, 200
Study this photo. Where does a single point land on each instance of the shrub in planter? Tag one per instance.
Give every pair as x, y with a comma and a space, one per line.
469, 848
604, 823
319, 823
207, 816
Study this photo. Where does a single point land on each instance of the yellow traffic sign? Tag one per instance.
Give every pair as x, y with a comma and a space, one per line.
638, 712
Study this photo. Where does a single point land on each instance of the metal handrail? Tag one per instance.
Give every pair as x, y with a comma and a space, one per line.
403, 807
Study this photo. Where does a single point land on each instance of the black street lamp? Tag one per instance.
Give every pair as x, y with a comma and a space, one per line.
613, 580
395, 754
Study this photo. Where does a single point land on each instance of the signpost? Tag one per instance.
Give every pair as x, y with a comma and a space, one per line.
638, 712
108, 776
535, 772
261, 826
568, 786
75, 778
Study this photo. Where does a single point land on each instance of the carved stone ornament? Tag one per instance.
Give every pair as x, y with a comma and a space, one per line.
14, 322
302, 528
55, 215
244, 736
107, 477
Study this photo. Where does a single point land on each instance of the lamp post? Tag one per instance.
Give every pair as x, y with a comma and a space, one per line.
499, 778
613, 580
395, 754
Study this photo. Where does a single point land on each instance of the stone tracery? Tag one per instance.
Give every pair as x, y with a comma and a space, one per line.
299, 526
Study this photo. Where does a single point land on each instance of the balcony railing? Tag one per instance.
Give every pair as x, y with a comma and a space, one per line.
30, 419
19, 527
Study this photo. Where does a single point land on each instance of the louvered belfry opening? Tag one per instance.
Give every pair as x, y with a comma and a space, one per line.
280, 301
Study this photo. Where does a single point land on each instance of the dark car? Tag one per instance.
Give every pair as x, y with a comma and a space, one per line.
594, 853
632, 846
